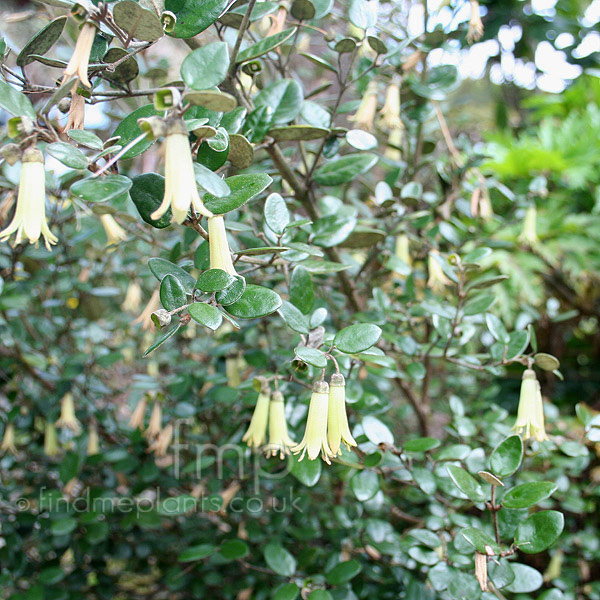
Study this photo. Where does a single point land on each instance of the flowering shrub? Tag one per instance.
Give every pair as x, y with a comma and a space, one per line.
295, 329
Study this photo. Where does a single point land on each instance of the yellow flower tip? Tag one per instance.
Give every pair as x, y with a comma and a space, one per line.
160, 445
280, 442
8, 441
220, 254
437, 280
51, 447
314, 441
115, 234
529, 234
365, 115
180, 181
137, 418
78, 65
30, 214
256, 434
338, 430
155, 424
530, 416
67, 419
93, 446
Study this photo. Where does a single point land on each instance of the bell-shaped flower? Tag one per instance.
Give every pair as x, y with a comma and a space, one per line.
437, 280
314, 441
220, 254
180, 182
8, 440
365, 115
67, 419
256, 434
161, 444
402, 249
76, 118
137, 417
389, 115
93, 446
145, 317
338, 430
475, 31
155, 424
133, 297
279, 440
30, 213
529, 234
115, 234
78, 65
51, 447
530, 416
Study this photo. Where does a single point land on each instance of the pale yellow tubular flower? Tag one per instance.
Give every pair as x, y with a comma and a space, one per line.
161, 444
51, 447
314, 441
137, 417
145, 317
180, 182
67, 419
338, 430
437, 278
93, 446
30, 214
256, 435
279, 440
402, 249
133, 298
115, 234
530, 416
234, 366
78, 65
389, 114
475, 31
220, 254
392, 150
155, 424
365, 115
8, 441
76, 118
529, 234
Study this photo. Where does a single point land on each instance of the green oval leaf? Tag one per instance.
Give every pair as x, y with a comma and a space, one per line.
466, 483
243, 188
147, 193
293, 317
161, 267
42, 41
311, 356
196, 552
172, 293
206, 67
194, 16
306, 472
266, 45
101, 189
284, 98
357, 338
280, 560
528, 494
507, 456
232, 293
344, 169
343, 572
14, 102
128, 129
539, 531
206, 315
256, 301
68, 155
214, 280
364, 484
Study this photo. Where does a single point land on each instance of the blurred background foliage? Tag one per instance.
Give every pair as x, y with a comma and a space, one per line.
492, 123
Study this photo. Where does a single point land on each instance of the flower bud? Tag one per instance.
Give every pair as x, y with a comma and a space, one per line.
67, 418
8, 440
530, 416
93, 446
51, 447
137, 418
256, 434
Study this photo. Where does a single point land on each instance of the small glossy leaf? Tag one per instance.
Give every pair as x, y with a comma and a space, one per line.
147, 193
206, 67
206, 315
266, 45
497, 329
546, 361
528, 494
14, 102
214, 280
480, 540
280, 560
194, 16
363, 13
172, 293
140, 23
297, 132
293, 317
305, 471
478, 305
284, 97
343, 572
68, 155
302, 293
163, 338
527, 579
194, 553
161, 267
277, 215
42, 41
232, 293
256, 301
101, 189
128, 129
344, 169
357, 338
243, 188
376, 431
421, 444
539, 531
234, 549
86, 138
311, 356
507, 456
364, 484
466, 483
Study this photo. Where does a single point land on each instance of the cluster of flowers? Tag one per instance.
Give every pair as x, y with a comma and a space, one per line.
67, 420
326, 425
159, 437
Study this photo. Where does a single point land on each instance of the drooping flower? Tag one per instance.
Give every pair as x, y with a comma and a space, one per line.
8, 441
93, 446
392, 150
145, 317
256, 434
402, 249
475, 31
137, 418
220, 254
155, 424
529, 234
365, 115
133, 297
76, 118
437, 278
530, 416
67, 418
481, 570
30, 213
279, 440
78, 65
161, 444
51, 447
115, 234
234, 365
338, 430
390, 111
314, 441
180, 182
